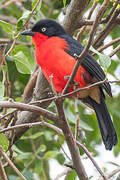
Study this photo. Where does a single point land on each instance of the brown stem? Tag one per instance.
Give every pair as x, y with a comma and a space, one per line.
114, 51
110, 25
2, 171
89, 16
3, 40
109, 44
11, 164
63, 124
74, 14
2, 54
73, 92
31, 108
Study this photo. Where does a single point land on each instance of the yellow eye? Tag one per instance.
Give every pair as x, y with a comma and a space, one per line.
43, 29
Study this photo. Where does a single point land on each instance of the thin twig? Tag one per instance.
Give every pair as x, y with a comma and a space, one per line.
77, 119
8, 114
114, 51
73, 92
2, 171
111, 174
110, 25
64, 173
31, 108
2, 40
2, 54
105, 20
93, 161
29, 125
11, 164
16, 37
89, 16
109, 44
63, 124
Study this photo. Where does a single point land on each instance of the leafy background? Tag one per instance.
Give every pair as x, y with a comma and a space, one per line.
33, 152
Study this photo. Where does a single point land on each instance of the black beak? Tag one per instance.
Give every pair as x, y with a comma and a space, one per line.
28, 32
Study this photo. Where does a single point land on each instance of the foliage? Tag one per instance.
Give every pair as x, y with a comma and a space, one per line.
32, 153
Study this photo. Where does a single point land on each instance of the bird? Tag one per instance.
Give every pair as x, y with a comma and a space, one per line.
55, 52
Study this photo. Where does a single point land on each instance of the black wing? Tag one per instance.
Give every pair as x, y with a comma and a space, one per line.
89, 63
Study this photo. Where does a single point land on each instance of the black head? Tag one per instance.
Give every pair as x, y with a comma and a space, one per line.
47, 27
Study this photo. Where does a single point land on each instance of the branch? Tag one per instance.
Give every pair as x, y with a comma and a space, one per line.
31, 108
44, 112
8, 19
16, 37
91, 158
105, 20
73, 92
114, 51
64, 173
2, 171
109, 44
110, 25
74, 14
89, 16
41, 92
30, 125
2, 40
29, 89
11, 164
7, 114
2, 54
63, 124
111, 174
59, 131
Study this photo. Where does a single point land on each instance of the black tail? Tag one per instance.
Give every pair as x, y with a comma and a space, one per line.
105, 123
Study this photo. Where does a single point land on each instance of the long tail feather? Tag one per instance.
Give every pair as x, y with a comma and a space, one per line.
107, 129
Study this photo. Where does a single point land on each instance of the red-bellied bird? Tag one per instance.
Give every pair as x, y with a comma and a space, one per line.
55, 53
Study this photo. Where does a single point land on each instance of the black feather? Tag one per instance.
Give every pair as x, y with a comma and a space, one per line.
105, 123
89, 63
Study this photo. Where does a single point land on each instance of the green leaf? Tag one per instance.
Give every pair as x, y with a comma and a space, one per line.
38, 166
4, 142
112, 68
12, 177
38, 6
2, 86
4, 68
64, 3
26, 155
28, 175
71, 176
72, 118
26, 51
23, 18
85, 126
2, 90
6, 26
104, 60
50, 154
22, 63
34, 136
42, 148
